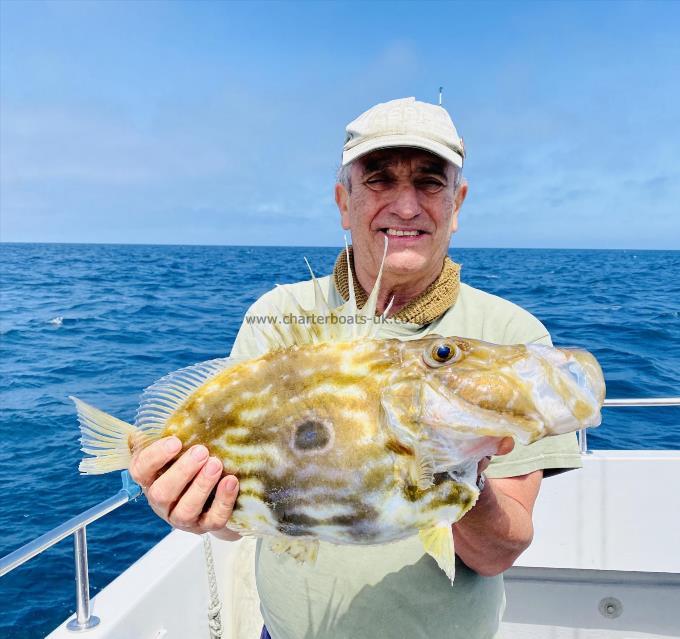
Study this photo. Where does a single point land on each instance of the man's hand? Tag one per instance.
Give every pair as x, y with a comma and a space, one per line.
499, 527
505, 446
180, 493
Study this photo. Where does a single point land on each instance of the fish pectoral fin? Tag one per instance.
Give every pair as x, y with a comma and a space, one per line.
423, 470
438, 543
400, 404
301, 550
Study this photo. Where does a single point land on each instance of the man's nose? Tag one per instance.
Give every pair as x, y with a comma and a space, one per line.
405, 204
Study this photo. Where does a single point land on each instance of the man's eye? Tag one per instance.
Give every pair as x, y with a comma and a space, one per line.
430, 185
378, 183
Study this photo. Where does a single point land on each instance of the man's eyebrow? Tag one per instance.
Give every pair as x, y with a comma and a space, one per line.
434, 167
375, 164
371, 165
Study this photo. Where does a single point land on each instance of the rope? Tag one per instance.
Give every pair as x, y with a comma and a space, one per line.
215, 605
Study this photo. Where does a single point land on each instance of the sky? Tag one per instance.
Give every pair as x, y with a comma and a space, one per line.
223, 122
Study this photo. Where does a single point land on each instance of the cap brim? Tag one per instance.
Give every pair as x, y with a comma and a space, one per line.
409, 141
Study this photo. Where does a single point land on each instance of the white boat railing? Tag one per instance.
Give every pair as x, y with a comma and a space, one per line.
130, 491
639, 402
75, 526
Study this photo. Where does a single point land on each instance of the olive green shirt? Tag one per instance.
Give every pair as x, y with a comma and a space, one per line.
396, 590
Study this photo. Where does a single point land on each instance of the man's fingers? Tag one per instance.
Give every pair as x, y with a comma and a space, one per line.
505, 446
148, 462
186, 513
166, 490
225, 497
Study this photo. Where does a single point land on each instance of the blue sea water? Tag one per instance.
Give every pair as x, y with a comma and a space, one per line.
104, 321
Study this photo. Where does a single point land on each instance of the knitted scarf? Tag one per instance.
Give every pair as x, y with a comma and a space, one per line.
434, 301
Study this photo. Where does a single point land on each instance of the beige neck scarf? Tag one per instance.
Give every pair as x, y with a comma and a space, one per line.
434, 301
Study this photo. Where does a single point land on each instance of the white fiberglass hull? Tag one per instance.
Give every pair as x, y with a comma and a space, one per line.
604, 563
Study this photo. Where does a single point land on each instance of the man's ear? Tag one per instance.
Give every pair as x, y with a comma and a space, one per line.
342, 200
458, 200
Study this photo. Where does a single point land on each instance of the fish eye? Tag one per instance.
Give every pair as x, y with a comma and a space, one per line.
442, 353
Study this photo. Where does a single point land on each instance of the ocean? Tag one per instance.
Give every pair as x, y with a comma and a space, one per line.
104, 321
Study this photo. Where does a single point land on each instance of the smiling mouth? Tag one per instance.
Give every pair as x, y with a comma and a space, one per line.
401, 233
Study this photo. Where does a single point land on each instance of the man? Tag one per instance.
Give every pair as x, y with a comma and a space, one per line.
400, 179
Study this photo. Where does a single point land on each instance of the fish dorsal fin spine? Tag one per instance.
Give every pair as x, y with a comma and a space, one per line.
320, 301
352, 302
368, 310
164, 397
321, 323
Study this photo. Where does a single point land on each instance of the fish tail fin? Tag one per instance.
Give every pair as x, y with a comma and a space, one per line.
108, 438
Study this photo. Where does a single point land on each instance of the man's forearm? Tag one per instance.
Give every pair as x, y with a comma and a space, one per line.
499, 528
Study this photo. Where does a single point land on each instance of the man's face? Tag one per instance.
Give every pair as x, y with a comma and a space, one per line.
408, 196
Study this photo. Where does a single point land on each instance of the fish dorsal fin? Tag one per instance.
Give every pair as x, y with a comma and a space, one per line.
321, 323
360, 323
164, 397
265, 341
352, 302
320, 301
368, 310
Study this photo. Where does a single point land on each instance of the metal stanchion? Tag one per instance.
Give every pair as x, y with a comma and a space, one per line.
84, 620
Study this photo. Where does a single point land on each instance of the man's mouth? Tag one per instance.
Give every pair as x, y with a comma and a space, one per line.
401, 232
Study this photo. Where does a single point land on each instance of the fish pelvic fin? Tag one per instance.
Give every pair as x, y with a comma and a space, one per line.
303, 551
110, 440
438, 543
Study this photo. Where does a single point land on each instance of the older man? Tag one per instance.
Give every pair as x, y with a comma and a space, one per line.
401, 179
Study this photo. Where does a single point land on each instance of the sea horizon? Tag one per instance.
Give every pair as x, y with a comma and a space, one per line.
453, 246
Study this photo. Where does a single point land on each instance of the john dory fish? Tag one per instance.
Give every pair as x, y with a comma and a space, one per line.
338, 436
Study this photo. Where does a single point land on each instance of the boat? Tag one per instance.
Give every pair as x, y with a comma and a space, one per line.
604, 563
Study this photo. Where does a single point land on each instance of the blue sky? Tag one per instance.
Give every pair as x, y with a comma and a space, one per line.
222, 122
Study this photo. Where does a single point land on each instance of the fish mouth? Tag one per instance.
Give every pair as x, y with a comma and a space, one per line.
572, 391
589, 374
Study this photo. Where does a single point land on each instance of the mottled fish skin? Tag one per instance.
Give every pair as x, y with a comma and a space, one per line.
339, 436
326, 439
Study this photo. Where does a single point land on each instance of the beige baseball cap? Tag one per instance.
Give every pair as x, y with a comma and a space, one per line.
404, 122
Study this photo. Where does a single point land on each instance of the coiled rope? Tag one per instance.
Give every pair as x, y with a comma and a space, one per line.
215, 605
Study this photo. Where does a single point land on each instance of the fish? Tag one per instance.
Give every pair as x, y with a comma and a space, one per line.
339, 436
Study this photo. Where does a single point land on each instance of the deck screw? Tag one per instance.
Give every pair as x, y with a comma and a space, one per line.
610, 607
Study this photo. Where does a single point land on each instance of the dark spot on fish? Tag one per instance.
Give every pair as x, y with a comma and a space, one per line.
312, 435
295, 524
412, 492
397, 447
451, 492
360, 523
447, 491
439, 478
